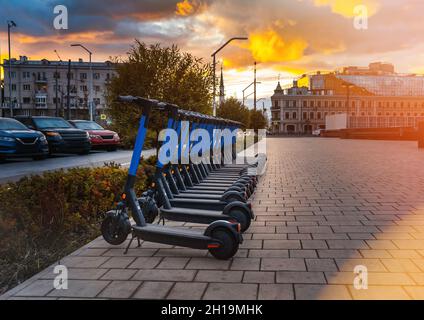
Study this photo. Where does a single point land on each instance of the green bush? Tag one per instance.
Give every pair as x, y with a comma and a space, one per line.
45, 217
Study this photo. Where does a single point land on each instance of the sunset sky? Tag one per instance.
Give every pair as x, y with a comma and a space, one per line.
286, 37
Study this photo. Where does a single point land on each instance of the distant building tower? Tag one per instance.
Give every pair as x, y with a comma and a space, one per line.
221, 89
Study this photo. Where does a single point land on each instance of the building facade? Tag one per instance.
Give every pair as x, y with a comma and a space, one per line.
39, 88
372, 97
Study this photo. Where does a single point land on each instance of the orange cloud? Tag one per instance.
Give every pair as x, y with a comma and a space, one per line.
269, 46
189, 7
346, 8
92, 37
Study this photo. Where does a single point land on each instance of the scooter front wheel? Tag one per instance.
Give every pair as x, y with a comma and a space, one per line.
241, 217
229, 245
115, 230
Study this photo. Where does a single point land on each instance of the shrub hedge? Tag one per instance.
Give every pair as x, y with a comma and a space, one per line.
45, 217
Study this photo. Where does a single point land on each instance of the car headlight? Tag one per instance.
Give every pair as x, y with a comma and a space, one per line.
7, 139
53, 134
95, 136
116, 136
42, 139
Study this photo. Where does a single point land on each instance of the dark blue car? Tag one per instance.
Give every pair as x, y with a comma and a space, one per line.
16, 140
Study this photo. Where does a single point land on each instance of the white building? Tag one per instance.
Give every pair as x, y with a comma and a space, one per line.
34, 91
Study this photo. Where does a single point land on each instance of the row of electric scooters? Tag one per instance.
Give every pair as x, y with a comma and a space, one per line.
201, 192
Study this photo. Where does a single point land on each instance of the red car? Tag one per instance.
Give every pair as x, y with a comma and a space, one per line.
99, 137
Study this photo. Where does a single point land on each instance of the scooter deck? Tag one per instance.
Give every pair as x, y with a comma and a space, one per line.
173, 236
194, 215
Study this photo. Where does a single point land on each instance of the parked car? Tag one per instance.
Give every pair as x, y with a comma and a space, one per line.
100, 137
61, 135
16, 140
317, 133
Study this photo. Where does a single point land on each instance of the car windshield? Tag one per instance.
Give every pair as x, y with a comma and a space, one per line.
88, 125
52, 123
10, 124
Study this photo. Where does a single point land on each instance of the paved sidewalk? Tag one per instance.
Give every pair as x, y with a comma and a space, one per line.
324, 207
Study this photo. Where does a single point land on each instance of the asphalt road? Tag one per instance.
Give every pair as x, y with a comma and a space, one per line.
13, 170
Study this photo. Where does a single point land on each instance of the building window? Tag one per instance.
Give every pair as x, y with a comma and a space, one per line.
97, 88
70, 75
305, 116
54, 100
294, 115
287, 116
13, 74
294, 104
96, 101
26, 75
319, 115
276, 104
312, 115
305, 104
73, 89
83, 88
13, 87
83, 76
56, 75
26, 100
27, 87
96, 76
311, 104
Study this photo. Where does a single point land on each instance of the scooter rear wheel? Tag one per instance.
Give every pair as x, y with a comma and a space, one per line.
229, 245
114, 230
242, 218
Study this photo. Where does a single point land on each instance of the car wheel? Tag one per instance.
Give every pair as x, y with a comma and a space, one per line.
84, 153
39, 158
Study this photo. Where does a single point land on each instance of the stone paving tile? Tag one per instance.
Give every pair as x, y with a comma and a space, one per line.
187, 291
119, 274
164, 275
219, 276
81, 289
321, 292
276, 292
153, 290
300, 277
380, 293
208, 264
245, 264
38, 288
120, 289
233, 291
283, 264
173, 263
145, 263
259, 277
320, 265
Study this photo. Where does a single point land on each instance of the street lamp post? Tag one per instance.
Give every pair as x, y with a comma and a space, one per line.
245, 89
348, 87
90, 102
10, 25
214, 68
57, 85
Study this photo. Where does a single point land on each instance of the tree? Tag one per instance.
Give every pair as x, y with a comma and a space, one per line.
234, 110
162, 73
257, 120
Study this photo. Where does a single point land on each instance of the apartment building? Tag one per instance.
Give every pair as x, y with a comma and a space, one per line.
40, 87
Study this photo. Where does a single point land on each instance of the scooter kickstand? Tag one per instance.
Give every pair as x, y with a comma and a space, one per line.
129, 244
138, 242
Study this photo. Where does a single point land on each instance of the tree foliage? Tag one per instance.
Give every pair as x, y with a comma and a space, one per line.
162, 73
257, 120
234, 110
